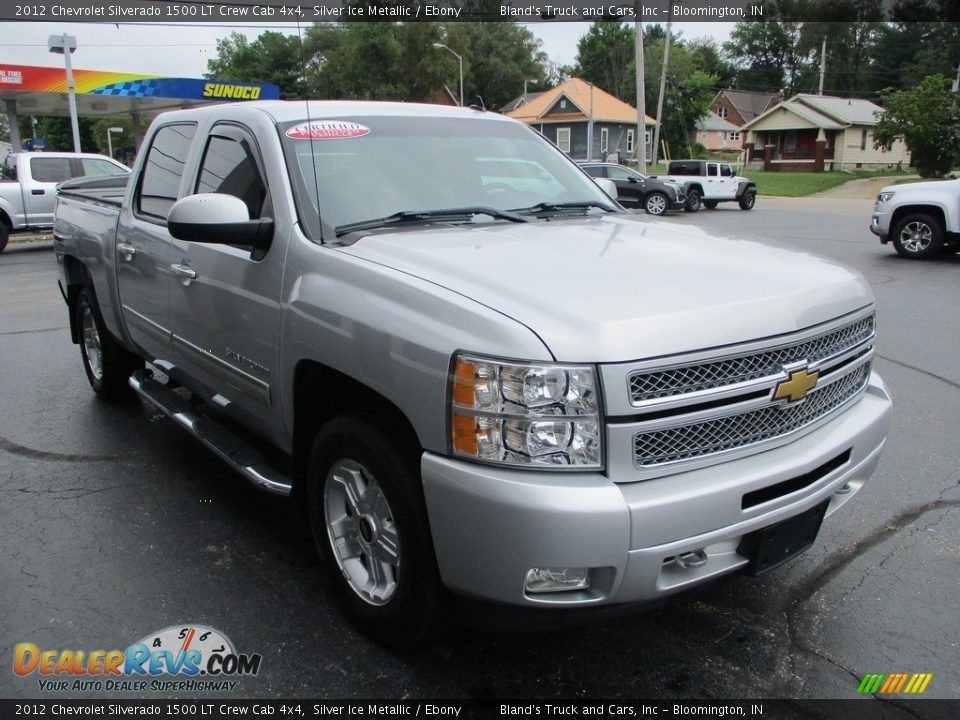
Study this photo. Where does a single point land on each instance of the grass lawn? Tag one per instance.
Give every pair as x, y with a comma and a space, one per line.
798, 184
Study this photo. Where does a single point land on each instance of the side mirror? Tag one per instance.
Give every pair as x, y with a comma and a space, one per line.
608, 186
632, 179
220, 219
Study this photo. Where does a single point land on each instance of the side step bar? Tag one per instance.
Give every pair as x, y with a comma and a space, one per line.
238, 454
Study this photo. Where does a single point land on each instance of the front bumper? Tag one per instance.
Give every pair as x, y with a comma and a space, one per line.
880, 224
491, 525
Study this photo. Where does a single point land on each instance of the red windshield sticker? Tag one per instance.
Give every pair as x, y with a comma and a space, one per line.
327, 130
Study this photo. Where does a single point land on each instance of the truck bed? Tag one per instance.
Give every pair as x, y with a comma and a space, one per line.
107, 190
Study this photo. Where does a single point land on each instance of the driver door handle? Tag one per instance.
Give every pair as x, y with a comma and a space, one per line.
127, 250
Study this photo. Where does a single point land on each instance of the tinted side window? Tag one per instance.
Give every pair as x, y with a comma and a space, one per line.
50, 169
229, 167
725, 171
712, 170
618, 174
92, 166
163, 169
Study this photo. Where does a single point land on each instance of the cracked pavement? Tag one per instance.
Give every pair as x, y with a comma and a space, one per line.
117, 524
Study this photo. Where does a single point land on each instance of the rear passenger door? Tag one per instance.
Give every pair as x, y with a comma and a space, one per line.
225, 308
145, 251
40, 193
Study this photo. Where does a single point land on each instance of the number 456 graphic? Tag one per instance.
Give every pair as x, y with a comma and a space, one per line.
894, 683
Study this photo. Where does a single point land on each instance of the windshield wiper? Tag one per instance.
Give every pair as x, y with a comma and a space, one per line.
405, 216
545, 207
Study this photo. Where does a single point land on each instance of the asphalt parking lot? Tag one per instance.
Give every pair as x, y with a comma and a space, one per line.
116, 524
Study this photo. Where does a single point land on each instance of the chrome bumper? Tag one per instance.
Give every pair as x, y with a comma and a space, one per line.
491, 526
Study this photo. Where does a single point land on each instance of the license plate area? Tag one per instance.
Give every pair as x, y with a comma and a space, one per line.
774, 545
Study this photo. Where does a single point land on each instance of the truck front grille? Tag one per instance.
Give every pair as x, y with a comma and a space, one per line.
716, 435
654, 384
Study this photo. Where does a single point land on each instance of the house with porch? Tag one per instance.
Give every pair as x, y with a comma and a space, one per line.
820, 132
584, 121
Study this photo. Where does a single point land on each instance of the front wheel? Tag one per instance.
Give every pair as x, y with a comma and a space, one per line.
748, 200
4, 235
369, 523
656, 203
918, 236
108, 364
694, 198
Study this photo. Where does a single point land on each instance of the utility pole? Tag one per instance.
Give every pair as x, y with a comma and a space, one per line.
823, 63
663, 85
640, 140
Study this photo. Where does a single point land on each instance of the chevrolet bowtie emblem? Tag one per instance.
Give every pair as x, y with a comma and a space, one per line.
796, 386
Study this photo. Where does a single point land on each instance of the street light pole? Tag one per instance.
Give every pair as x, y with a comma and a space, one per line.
65, 45
460, 60
110, 132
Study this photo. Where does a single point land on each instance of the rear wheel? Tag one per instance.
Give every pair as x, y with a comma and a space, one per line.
108, 364
918, 236
369, 523
710, 204
694, 198
656, 203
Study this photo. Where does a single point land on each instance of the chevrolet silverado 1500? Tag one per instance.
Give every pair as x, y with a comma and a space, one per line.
515, 392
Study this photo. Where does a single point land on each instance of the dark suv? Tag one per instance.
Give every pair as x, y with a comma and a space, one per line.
636, 190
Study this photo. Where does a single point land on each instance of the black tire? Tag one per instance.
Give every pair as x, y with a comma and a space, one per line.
656, 203
710, 204
4, 235
108, 364
387, 522
748, 200
918, 236
694, 200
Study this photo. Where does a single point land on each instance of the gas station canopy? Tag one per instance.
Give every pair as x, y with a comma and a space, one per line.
34, 90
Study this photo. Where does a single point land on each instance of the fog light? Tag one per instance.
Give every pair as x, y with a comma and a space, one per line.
551, 580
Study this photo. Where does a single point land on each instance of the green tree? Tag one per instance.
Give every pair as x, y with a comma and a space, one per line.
605, 57
272, 58
58, 132
927, 117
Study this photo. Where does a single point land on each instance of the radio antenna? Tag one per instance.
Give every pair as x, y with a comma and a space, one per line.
306, 103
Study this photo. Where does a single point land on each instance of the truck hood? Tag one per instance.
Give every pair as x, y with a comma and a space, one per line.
619, 288
921, 188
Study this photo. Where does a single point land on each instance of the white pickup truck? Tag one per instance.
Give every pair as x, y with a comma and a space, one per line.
28, 186
920, 219
516, 392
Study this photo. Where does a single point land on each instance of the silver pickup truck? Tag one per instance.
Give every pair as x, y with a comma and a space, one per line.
28, 186
518, 393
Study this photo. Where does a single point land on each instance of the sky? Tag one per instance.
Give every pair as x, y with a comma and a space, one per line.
183, 51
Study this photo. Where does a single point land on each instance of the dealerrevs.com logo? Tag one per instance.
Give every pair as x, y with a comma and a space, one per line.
177, 658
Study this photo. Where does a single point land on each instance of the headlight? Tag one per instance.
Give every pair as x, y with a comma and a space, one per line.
884, 197
525, 414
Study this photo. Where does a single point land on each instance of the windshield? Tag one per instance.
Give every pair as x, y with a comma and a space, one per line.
365, 168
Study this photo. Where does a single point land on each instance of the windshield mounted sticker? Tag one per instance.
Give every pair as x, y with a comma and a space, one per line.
327, 130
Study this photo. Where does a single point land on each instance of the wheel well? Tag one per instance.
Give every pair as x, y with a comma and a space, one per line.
321, 393
78, 278
933, 210
5, 219
696, 186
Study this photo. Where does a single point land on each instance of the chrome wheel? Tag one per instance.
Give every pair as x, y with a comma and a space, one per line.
361, 531
916, 237
91, 343
656, 204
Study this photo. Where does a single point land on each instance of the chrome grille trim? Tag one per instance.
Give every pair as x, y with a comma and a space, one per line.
659, 385
715, 436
